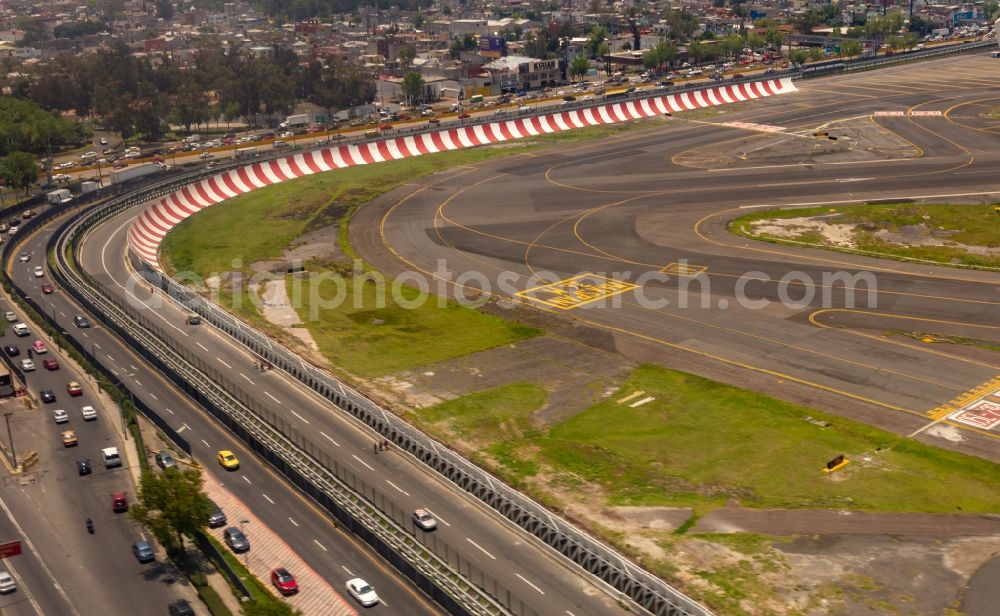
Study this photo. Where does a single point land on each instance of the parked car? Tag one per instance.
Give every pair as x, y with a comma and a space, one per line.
164, 460
284, 581
143, 551
236, 540
217, 518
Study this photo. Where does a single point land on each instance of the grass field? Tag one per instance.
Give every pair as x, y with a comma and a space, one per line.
701, 443
971, 225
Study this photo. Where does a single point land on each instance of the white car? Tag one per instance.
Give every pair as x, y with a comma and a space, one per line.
424, 519
7, 583
24, 257
11, 316
39, 272
104, 141
89, 414
60, 416
362, 591
27, 365
60, 177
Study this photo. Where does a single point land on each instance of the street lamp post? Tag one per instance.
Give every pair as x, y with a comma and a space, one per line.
10, 437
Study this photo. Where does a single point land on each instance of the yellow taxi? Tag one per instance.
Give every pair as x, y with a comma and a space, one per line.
228, 460
69, 439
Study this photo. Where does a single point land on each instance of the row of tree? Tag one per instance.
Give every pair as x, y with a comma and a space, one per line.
134, 97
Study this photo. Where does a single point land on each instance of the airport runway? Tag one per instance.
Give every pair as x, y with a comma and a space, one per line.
614, 235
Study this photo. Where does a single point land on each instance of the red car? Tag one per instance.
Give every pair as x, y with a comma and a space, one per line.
74, 389
385, 127
47, 288
50, 364
463, 115
119, 502
284, 581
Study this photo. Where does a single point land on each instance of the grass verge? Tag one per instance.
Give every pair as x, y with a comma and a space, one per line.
957, 227
700, 443
262, 600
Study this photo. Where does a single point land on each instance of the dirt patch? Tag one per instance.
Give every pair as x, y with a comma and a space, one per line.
277, 308
574, 380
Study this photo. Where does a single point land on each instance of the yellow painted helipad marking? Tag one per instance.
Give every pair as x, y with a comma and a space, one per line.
684, 269
576, 291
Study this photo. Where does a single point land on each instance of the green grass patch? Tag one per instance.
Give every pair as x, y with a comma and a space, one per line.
377, 329
701, 443
262, 600
954, 225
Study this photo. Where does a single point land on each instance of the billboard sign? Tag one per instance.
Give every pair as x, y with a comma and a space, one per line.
492, 46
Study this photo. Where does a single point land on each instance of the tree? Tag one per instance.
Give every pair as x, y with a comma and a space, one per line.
413, 87
406, 55
797, 57
19, 170
172, 504
580, 66
815, 54
595, 39
850, 48
696, 51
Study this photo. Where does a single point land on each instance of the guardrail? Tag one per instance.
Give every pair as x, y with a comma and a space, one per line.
431, 573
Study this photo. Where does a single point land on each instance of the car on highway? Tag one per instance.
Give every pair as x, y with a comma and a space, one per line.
284, 581
228, 460
119, 502
24, 257
81, 321
48, 288
434, 121
28, 214
424, 519
104, 141
88, 413
83, 467
39, 272
206, 155
164, 460
27, 365
60, 416
11, 350
236, 540
362, 592
143, 551
73, 388
39, 347
20, 330
47, 396
463, 116
50, 364
69, 439
7, 583
181, 607
10, 315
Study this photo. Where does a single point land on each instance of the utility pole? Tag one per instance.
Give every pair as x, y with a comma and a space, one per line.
10, 437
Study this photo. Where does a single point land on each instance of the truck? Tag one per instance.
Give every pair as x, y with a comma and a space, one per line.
295, 120
88, 187
135, 171
59, 196
245, 153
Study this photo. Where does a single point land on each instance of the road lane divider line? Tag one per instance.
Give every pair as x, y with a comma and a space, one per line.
327, 437
247, 378
272, 397
439, 518
203, 347
246, 479
320, 545
397, 487
303, 419
481, 548
362, 461
206, 443
525, 580
221, 361
268, 498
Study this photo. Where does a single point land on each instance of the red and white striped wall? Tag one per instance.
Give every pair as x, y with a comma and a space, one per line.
161, 216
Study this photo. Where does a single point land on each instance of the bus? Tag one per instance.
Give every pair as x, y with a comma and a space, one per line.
616, 93
478, 98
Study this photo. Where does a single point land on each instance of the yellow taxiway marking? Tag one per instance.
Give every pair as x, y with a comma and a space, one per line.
987, 388
576, 291
684, 269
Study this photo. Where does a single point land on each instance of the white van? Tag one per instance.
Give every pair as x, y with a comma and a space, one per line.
111, 457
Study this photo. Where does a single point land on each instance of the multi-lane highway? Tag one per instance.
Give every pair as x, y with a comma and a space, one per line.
63, 569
